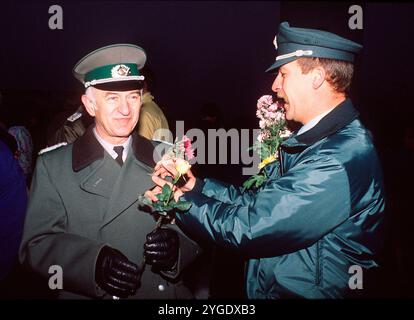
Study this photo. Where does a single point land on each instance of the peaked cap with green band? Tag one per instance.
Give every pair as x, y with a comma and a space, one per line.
114, 67
293, 43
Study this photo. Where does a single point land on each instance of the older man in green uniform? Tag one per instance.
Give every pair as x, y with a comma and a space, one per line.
83, 214
313, 228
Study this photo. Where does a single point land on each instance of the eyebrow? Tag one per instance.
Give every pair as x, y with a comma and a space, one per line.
107, 93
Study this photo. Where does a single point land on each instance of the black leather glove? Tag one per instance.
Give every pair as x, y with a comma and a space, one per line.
115, 274
161, 249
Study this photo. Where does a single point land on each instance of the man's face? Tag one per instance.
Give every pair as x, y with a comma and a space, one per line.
294, 88
116, 113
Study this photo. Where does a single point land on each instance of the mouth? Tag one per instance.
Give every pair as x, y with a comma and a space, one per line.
282, 102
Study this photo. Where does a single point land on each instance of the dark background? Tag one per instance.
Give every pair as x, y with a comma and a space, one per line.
207, 52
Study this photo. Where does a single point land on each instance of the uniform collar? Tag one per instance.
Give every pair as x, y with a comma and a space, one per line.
335, 120
110, 147
313, 122
87, 149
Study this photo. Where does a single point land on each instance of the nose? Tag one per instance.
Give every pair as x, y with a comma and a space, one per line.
277, 83
124, 107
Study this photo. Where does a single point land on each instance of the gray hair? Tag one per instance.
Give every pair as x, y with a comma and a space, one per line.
90, 94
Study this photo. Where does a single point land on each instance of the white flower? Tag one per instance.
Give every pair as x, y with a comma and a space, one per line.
264, 101
285, 133
273, 107
182, 166
262, 124
279, 116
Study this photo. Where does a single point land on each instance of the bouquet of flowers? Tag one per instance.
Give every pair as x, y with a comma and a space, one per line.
180, 152
273, 131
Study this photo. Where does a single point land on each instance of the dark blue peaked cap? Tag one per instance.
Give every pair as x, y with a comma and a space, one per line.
293, 43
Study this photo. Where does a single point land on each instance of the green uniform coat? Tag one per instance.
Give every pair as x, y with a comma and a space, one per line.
81, 200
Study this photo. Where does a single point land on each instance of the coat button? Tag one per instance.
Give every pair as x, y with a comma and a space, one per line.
161, 287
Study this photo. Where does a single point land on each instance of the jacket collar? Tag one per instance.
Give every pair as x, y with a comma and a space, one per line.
147, 97
87, 149
335, 120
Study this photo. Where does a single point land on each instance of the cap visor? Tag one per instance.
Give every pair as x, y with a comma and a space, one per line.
128, 85
278, 63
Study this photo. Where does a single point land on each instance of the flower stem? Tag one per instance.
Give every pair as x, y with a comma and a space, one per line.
159, 222
158, 225
176, 179
167, 199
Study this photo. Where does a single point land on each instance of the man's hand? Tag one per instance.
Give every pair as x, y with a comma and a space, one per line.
161, 249
165, 168
169, 167
115, 274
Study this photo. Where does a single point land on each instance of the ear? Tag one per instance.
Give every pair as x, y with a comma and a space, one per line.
318, 77
89, 105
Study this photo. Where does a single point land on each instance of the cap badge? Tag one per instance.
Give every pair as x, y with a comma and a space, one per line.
275, 42
120, 70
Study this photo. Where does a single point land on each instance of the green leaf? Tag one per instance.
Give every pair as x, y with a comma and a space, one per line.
176, 179
183, 205
166, 190
249, 182
168, 207
160, 197
143, 200
256, 181
165, 193
158, 206
259, 181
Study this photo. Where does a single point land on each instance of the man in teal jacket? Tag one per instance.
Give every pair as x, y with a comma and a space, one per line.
313, 229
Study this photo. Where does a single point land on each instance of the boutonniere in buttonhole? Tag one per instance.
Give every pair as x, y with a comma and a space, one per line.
181, 152
273, 130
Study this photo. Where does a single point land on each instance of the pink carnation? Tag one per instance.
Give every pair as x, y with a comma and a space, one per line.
279, 116
262, 124
264, 101
272, 115
273, 107
189, 152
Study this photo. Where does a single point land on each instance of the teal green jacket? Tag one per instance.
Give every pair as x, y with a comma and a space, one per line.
82, 200
319, 213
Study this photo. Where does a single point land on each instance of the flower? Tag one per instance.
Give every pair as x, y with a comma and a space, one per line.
188, 149
264, 101
180, 152
273, 131
182, 166
181, 149
267, 161
262, 124
285, 133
